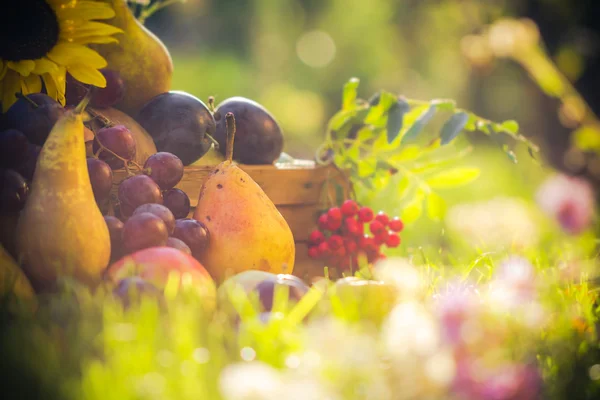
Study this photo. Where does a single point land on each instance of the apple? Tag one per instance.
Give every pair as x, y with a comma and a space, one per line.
365, 299
155, 264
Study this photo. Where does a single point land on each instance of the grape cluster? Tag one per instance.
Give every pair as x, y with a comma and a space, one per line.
341, 240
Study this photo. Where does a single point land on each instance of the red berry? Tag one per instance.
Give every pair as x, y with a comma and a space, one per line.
340, 252
373, 256
351, 226
383, 218
366, 242
393, 240
349, 208
334, 214
323, 222
365, 214
335, 242
396, 224
350, 246
376, 227
313, 252
316, 237
333, 225
324, 249
381, 238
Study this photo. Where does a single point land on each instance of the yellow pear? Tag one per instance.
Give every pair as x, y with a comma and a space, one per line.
61, 231
141, 59
246, 229
13, 282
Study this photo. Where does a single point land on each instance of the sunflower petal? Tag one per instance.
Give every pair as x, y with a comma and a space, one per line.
95, 39
74, 54
55, 84
87, 28
31, 84
85, 74
11, 85
50, 85
23, 67
43, 66
3, 69
85, 10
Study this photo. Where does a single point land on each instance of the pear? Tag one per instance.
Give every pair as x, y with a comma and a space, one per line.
142, 60
247, 232
13, 282
61, 231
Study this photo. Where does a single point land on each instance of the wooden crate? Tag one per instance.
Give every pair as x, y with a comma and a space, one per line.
297, 191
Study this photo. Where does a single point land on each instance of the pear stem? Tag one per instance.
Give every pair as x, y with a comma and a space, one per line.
83, 103
230, 126
23, 96
211, 103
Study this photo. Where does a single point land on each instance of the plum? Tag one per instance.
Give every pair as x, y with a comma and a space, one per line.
179, 123
258, 137
266, 289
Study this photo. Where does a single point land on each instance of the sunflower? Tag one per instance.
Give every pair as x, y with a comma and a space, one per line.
42, 40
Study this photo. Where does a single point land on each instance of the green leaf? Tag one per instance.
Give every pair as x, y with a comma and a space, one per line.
395, 118
453, 177
367, 167
413, 210
436, 206
349, 94
377, 112
340, 119
374, 100
444, 104
419, 124
407, 153
453, 127
510, 126
402, 186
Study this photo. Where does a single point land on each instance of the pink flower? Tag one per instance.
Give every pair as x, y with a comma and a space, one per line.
569, 200
455, 305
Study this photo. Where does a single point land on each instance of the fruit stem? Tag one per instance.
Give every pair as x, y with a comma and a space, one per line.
83, 103
213, 140
230, 126
24, 96
211, 103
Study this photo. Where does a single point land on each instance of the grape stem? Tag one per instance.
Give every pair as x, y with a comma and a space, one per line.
125, 161
211, 103
230, 126
26, 98
105, 121
212, 140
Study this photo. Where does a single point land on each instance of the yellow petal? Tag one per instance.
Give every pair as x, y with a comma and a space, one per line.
78, 29
11, 85
31, 84
85, 74
74, 54
55, 84
3, 68
50, 85
95, 39
85, 10
23, 67
43, 66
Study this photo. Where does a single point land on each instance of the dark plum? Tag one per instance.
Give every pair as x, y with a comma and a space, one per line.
161, 212
258, 137
75, 91
13, 190
179, 245
131, 290
115, 229
34, 115
101, 177
27, 167
111, 94
178, 122
13, 148
165, 169
144, 230
135, 191
266, 289
178, 202
192, 233
119, 140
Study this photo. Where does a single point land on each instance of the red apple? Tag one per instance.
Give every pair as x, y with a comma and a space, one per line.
155, 264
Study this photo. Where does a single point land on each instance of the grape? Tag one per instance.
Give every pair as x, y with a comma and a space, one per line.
112, 93
101, 179
115, 229
27, 167
117, 139
13, 190
13, 148
178, 202
266, 289
135, 191
179, 245
165, 168
144, 230
161, 212
133, 288
192, 233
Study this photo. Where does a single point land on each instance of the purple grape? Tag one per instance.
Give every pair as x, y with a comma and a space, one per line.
112, 93
266, 289
178, 202
165, 168
13, 148
144, 230
179, 245
161, 212
27, 167
101, 177
130, 290
192, 233
119, 140
13, 190
135, 191
115, 229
